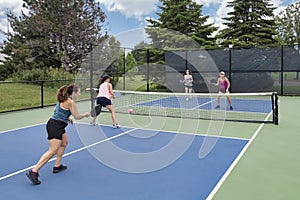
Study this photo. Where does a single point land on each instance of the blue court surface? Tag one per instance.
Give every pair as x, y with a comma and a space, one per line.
187, 178
206, 103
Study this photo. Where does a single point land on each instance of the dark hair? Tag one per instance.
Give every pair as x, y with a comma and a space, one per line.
104, 78
65, 91
188, 71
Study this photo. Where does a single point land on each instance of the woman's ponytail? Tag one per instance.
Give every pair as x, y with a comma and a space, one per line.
62, 94
66, 91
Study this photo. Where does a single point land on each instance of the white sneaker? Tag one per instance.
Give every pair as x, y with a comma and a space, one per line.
93, 123
116, 126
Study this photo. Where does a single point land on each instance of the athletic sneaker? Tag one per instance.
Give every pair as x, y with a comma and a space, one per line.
59, 169
93, 123
116, 126
33, 177
231, 108
217, 106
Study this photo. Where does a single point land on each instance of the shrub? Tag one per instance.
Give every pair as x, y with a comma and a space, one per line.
47, 74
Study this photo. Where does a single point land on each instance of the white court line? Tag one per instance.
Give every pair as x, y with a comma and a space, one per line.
67, 154
107, 139
234, 163
16, 129
204, 104
180, 132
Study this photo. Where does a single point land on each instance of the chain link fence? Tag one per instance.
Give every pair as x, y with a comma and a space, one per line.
273, 69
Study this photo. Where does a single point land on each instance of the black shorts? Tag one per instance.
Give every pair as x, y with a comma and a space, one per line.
103, 101
188, 86
55, 129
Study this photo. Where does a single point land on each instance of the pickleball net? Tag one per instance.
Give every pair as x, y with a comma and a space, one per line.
246, 107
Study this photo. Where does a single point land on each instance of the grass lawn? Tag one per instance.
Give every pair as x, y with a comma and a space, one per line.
15, 96
137, 83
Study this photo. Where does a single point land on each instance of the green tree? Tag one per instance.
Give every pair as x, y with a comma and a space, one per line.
130, 62
54, 33
288, 22
108, 59
251, 23
140, 52
130, 66
184, 17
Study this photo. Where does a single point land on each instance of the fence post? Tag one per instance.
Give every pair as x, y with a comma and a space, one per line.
124, 68
148, 71
281, 73
91, 76
229, 69
186, 60
42, 94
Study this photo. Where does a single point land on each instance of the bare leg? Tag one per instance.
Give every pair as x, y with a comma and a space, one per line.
219, 100
54, 145
229, 100
186, 89
94, 120
61, 150
190, 92
113, 114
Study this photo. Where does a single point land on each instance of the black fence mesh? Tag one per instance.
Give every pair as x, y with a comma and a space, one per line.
273, 69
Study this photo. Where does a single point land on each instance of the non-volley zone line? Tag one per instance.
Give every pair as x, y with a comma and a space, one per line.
69, 153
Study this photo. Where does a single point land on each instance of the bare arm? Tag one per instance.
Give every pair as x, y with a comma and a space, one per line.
75, 113
228, 83
110, 89
218, 82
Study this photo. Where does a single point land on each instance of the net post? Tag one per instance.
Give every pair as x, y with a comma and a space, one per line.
275, 107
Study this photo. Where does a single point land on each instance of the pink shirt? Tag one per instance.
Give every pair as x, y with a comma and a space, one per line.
103, 91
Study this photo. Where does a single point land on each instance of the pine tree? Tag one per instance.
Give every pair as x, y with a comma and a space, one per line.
54, 33
184, 17
251, 23
289, 24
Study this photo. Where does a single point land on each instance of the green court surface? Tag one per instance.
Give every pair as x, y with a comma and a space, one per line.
268, 169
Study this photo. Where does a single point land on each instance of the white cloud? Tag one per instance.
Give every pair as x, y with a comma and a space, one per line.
132, 37
3, 24
131, 8
222, 11
207, 3
14, 6
278, 4
140, 9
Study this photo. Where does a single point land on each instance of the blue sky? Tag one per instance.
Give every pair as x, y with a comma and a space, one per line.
122, 15
127, 15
